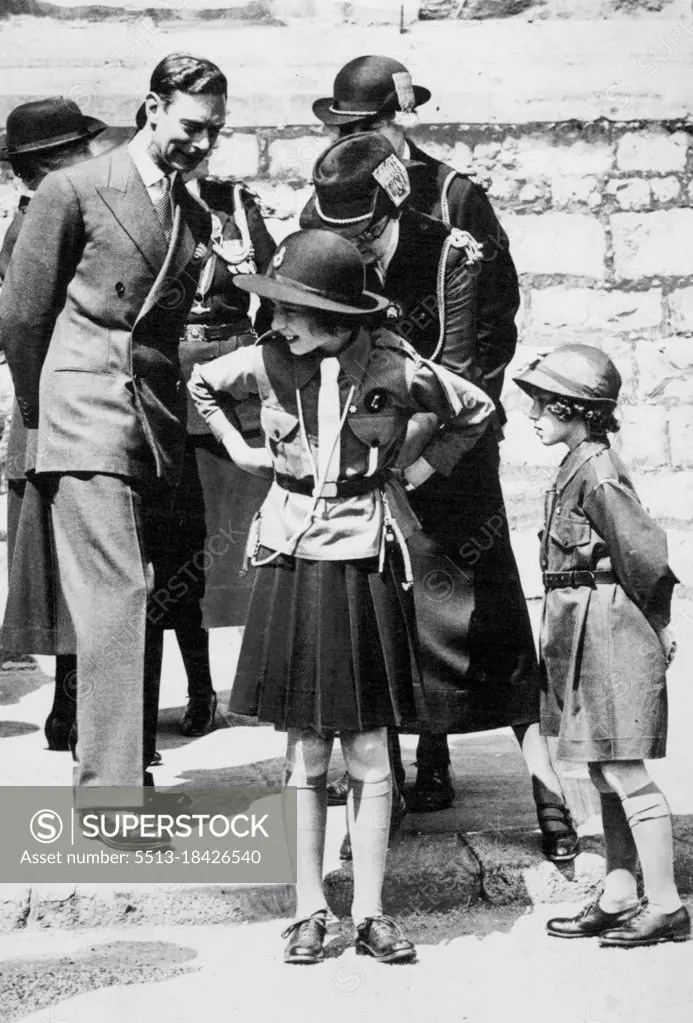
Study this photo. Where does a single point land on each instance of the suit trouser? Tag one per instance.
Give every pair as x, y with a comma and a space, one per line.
100, 524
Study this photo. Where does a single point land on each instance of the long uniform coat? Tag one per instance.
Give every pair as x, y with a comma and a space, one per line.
478, 656
215, 501
604, 692
94, 361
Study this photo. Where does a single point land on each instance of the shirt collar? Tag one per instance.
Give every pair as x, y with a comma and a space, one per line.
353, 360
575, 459
149, 171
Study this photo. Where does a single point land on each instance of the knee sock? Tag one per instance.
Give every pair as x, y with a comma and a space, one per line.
311, 819
649, 819
620, 887
369, 804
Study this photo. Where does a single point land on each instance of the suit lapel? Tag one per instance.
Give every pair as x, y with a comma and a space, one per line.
127, 198
191, 225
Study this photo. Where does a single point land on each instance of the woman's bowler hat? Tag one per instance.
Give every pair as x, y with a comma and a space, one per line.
45, 124
369, 87
317, 269
358, 181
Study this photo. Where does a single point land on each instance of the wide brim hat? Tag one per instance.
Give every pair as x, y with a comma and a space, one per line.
581, 372
358, 180
318, 270
42, 125
369, 87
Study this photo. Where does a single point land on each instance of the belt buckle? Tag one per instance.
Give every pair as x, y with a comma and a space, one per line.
195, 333
329, 490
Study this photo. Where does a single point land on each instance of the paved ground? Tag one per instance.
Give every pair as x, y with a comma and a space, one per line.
486, 960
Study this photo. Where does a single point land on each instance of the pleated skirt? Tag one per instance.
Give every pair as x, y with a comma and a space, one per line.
328, 645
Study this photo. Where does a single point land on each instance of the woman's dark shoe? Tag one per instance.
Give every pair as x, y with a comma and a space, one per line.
434, 790
57, 733
559, 839
306, 938
199, 715
590, 921
338, 790
382, 938
397, 815
648, 927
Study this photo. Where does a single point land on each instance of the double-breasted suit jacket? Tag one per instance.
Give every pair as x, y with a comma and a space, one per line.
94, 354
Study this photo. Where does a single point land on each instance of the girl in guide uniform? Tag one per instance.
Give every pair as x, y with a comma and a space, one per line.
605, 645
328, 649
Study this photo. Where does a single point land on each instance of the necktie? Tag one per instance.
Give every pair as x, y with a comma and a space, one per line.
375, 279
328, 419
162, 205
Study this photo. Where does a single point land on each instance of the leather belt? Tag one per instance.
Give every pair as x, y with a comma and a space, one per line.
341, 488
575, 579
212, 332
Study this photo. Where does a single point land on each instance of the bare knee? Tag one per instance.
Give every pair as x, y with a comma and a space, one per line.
366, 755
307, 758
625, 776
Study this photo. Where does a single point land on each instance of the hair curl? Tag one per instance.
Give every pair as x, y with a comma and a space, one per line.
600, 419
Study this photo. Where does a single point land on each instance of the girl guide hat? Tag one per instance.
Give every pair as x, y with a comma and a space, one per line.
581, 372
368, 87
358, 181
45, 124
317, 269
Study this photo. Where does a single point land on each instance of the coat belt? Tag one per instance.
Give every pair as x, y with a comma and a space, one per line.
341, 488
576, 578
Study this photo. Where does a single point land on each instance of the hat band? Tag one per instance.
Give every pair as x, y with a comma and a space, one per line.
354, 113
332, 296
565, 382
53, 140
339, 220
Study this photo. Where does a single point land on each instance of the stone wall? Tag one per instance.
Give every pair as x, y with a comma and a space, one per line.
597, 211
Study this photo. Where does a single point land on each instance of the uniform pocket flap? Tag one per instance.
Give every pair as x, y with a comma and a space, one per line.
278, 424
374, 428
569, 533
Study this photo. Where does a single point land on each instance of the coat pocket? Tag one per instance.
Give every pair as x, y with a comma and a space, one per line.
569, 533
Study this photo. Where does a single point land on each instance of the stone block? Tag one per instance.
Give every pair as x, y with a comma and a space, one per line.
681, 436
545, 158
571, 190
557, 243
680, 305
502, 187
665, 189
630, 193
281, 201
652, 150
664, 372
643, 439
529, 193
667, 495
235, 156
486, 153
652, 244
293, 159
587, 309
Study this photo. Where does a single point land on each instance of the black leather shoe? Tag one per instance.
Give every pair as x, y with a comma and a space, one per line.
382, 938
590, 921
397, 815
648, 927
199, 716
434, 790
306, 938
559, 839
338, 790
57, 733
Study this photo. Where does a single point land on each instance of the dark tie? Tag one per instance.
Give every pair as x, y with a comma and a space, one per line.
162, 205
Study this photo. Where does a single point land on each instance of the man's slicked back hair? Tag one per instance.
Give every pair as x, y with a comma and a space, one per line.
181, 72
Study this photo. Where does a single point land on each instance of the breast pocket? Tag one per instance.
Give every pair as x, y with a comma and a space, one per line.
573, 538
376, 429
282, 430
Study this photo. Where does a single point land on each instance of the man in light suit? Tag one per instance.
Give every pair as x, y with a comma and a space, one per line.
95, 299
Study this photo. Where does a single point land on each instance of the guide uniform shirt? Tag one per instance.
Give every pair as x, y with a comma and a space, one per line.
380, 384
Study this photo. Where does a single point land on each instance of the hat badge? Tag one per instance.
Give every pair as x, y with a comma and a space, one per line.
392, 177
405, 91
